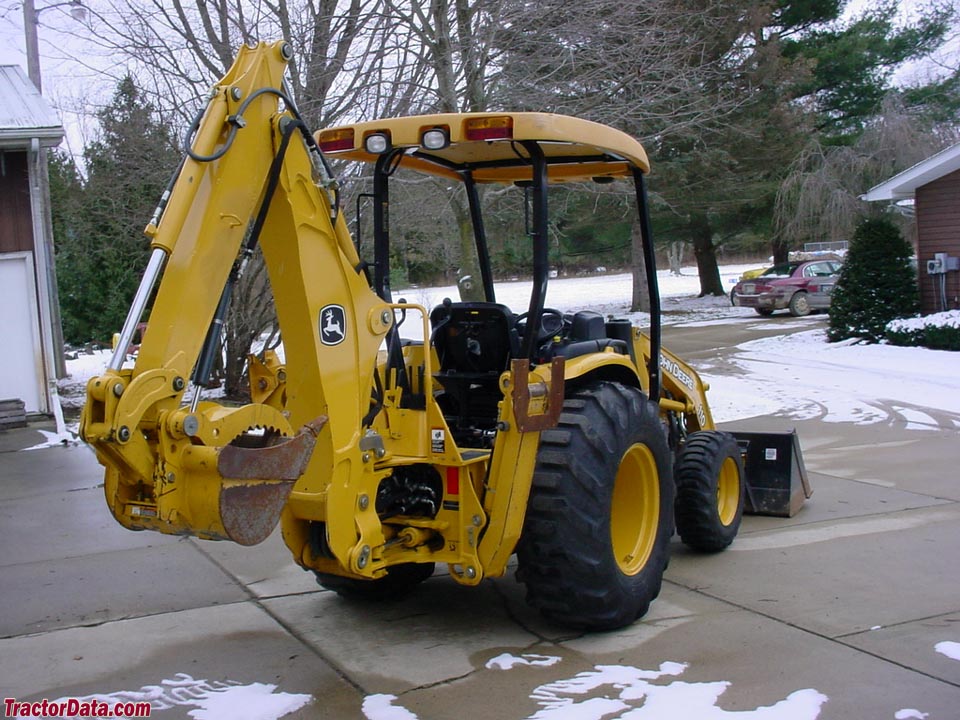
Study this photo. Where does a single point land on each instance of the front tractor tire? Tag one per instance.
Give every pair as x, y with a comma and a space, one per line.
596, 538
710, 491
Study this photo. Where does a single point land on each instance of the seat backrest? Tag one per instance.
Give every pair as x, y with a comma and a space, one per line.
474, 337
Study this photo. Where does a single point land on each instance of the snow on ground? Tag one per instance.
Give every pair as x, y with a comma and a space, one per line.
949, 648
798, 375
608, 294
203, 699
80, 368
608, 692
804, 377
949, 318
622, 691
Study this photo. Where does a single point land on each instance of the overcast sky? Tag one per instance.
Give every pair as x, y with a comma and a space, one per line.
73, 87
67, 84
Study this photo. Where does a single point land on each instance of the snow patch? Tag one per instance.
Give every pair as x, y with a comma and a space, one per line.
256, 701
630, 692
506, 661
612, 692
69, 437
381, 707
949, 648
909, 713
804, 377
209, 700
80, 368
950, 318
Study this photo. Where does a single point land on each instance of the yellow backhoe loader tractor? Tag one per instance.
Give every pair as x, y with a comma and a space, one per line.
566, 438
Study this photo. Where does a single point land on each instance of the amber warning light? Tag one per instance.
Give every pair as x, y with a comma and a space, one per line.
489, 128
335, 140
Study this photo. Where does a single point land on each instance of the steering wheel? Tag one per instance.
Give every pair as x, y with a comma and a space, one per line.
551, 323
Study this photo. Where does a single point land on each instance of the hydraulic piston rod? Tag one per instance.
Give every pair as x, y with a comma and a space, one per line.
147, 283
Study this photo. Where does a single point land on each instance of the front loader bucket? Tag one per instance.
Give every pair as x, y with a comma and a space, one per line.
776, 479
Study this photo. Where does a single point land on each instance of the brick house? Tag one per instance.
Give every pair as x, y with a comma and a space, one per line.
30, 326
934, 186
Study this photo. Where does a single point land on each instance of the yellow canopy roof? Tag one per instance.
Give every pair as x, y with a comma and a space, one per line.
575, 149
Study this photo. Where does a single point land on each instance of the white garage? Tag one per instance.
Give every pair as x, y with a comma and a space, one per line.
29, 313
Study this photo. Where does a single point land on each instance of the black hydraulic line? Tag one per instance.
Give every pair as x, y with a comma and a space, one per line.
237, 123
480, 237
649, 261
381, 228
211, 344
385, 166
376, 404
287, 128
358, 233
364, 266
287, 125
541, 265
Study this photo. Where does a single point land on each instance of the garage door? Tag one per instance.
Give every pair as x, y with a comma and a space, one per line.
21, 361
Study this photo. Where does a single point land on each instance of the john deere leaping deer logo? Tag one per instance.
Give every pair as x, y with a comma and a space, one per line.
332, 323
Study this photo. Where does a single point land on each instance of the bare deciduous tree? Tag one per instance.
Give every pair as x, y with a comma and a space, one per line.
664, 71
182, 47
456, 42
819, 201
349, 61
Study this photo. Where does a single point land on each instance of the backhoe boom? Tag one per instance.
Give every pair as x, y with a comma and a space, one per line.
166, 462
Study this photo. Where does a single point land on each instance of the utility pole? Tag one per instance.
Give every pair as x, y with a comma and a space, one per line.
31, 22
31, 19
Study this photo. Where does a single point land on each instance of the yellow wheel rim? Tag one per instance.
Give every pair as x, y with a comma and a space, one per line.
728, 491
635, 511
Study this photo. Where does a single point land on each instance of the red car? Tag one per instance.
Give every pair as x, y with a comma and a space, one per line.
799, 287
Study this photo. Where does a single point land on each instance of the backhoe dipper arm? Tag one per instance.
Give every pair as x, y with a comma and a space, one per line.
252, 176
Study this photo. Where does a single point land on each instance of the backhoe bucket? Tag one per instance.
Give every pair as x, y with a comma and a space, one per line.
776, 479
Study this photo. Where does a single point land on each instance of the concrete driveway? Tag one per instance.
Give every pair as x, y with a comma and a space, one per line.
851, 609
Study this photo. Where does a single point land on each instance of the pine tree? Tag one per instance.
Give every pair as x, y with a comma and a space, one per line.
852, 65
76, 270
101, 248
876, 285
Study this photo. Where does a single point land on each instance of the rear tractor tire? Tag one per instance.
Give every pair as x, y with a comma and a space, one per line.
398, 582
599, 520
710, 491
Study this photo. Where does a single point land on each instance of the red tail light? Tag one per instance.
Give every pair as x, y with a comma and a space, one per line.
488, 128
336, 140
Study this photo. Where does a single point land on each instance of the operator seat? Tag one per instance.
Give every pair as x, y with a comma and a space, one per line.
474, 338
475, 342
588, 334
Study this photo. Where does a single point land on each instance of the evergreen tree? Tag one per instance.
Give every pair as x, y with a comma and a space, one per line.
851, 67
876, 285
76, 272
101, 248
724, 95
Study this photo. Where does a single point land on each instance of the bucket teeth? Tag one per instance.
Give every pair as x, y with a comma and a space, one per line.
286, 459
